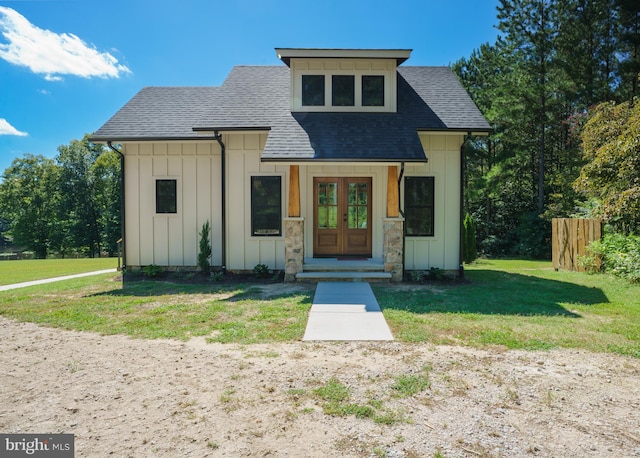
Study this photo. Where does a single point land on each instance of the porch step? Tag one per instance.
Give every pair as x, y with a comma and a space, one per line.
344, 275
332, 269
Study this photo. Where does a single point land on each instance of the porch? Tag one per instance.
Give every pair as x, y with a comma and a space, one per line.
344, 269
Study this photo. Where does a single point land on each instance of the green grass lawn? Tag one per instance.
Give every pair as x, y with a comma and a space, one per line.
27, 270
508, 304
519, 304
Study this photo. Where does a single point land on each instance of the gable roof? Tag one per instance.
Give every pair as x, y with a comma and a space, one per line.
258, 98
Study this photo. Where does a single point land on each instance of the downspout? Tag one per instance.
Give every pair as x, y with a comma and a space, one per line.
122, 210
223, 206
462, 170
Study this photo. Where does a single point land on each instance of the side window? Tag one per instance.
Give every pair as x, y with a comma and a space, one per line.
372, 91
266, 206
313, 90
418, 206
166, 196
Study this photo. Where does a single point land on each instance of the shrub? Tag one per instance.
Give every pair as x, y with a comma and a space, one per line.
618, 254
261, 270
151, 270
205, 249
469, 247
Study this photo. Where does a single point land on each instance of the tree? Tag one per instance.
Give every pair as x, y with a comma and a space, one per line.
106, 191
79, 212
204, 252
26, 193
611, 142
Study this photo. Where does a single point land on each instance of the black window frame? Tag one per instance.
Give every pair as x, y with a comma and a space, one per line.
166, 196
338, 84
415, 213
367, 93
313, 93
264, 207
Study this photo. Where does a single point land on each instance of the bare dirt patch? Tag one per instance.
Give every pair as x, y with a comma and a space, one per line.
130, 398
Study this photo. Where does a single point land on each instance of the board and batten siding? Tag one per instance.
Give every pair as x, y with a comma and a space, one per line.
443, 249
171, 239
244, 251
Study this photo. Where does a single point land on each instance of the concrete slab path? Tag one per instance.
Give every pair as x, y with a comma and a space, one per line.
346, 311
51, 280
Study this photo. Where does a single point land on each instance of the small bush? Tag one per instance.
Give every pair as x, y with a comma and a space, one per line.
261, 270
205, 249
151, 270
618, 254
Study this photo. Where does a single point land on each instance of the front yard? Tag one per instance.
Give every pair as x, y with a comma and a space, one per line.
512, 304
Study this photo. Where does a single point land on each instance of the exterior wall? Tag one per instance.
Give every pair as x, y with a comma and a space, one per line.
171, 239
244, 251
378, 174
443, 249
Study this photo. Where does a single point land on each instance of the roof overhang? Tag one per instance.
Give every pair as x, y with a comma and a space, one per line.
286, 54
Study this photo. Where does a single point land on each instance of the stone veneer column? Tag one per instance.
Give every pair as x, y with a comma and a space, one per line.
293, 247
393, 248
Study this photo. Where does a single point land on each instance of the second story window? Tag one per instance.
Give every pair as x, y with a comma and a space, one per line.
342, 90
313, 90
372, 91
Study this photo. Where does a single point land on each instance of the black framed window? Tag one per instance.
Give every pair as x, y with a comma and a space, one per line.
313, 90
372, 91
343, 90
418, 206
266, 205
166, 196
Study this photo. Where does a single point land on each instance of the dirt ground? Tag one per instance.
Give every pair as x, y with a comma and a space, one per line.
137, 398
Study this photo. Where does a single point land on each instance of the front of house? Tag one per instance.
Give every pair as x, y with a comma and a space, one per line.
342, 154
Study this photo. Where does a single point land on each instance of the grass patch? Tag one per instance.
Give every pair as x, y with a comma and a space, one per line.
28, 270
150, 309
506, 303
519, 305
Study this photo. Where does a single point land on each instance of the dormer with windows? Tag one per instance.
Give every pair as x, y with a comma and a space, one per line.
343, 80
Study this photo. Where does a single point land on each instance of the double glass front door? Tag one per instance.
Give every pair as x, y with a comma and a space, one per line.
342, 217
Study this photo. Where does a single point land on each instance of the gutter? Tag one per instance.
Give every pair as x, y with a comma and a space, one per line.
122, 200
223, 204
462, 170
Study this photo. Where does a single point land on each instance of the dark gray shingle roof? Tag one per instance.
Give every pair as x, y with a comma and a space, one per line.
159, 113
429, 98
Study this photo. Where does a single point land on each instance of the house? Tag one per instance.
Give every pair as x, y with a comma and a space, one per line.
336, 153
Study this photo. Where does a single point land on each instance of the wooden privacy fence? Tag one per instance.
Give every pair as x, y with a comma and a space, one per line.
570, 238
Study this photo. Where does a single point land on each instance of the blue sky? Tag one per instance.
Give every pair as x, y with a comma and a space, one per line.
66, 66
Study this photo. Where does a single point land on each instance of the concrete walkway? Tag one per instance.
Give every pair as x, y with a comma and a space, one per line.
51, 280
346, 311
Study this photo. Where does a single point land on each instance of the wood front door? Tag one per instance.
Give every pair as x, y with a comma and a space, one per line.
342, 217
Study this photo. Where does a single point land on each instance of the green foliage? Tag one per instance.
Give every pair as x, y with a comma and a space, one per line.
152, 270
28, 199
205, 249
261, 270
611, 141
469, 248
70, 205
551, 63
616, 254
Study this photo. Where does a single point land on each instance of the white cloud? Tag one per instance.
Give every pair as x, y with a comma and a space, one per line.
51, 54
8, 129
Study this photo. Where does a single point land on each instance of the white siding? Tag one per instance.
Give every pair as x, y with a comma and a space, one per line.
244, 251
442, 250
171, 239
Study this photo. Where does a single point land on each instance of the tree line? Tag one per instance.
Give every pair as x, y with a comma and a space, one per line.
559, 86
538, 85
67, 205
